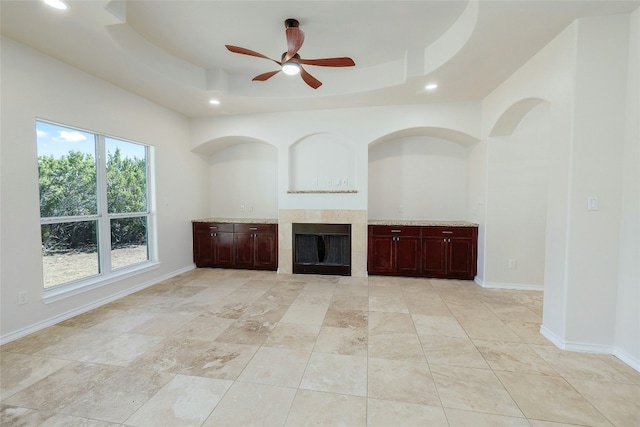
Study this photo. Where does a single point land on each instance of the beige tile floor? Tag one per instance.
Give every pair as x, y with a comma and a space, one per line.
232, 348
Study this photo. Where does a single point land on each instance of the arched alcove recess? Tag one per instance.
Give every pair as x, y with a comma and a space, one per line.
419, 173
513, 115
212, 146
243, 177
516, 199
452, 135
322, 162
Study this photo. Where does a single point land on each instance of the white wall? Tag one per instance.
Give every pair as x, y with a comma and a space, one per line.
355, 129
597, 151
547, 76
582, 74
332, 166
627, 334
517, 203
418, 177
36, 86
244, 181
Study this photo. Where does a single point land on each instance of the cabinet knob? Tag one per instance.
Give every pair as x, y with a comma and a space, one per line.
396, 231
253, 228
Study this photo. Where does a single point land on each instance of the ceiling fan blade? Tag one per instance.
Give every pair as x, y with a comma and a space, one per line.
243, 51
309, 79
295, 38
328, 62
264, 76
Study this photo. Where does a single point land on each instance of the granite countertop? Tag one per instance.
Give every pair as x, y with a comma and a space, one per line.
239, 220
422, 223
322, 191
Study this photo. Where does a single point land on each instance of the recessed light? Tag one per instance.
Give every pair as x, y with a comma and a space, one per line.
56, 4
431, 86
214, 101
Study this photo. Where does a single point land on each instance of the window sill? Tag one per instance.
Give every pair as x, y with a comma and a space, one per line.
74, 288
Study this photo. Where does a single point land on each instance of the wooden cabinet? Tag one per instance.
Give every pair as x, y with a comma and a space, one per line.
394, 250
449, 252
212, 244
202, 246
423, 251
255, 246
223, 247
235, 245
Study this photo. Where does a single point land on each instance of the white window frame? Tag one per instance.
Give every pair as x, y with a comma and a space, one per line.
107, 275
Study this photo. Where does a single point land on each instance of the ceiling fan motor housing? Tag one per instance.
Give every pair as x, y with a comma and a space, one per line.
288, 23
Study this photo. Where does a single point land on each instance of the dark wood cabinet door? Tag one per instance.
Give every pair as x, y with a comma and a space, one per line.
461, 259
407, 256
223, 250
235, 245
381, 255
265, 251
243, 250
203, 248
434, 257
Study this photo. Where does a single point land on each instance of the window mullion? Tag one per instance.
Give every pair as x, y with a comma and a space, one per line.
104, 226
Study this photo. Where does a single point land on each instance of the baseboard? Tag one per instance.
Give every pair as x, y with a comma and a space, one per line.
516, 286
580, 347
555, 339
83, 309
630, 360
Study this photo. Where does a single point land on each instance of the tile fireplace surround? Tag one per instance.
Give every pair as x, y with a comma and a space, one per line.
357, 219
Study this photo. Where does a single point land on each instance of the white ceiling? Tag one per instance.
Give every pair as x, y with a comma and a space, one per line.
172, 52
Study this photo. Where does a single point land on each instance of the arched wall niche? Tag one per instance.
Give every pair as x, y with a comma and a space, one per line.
451, 135
513, 115
419, 173
217, 144
243, 176
322, 162
517, 193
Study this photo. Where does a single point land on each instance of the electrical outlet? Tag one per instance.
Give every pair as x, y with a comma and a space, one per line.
329, 182
345, 182
23, 297
241, 208
513, 264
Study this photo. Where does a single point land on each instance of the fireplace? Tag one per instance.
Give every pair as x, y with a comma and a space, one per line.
322, 249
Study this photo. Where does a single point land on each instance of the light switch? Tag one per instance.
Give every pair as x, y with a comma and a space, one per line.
593, 204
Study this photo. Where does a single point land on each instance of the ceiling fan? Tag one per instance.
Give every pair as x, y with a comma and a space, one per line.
290, 62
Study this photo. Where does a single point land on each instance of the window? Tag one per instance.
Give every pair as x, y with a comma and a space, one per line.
94, 205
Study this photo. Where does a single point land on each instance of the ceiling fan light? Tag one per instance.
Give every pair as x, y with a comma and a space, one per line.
56, 4
291, 68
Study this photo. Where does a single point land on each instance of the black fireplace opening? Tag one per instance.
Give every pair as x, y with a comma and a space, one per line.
322, 249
